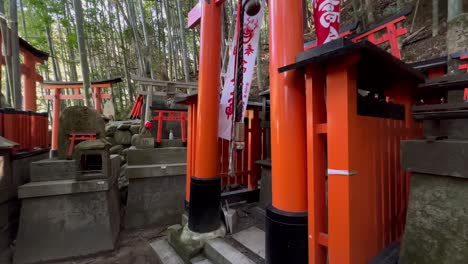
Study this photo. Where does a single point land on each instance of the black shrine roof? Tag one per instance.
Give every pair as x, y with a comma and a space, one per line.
445, 83
376, 70
36, 52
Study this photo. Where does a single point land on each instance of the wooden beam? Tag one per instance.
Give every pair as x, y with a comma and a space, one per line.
153, 82
194, 16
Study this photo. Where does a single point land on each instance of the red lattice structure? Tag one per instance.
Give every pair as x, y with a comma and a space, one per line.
28, 129
464, 67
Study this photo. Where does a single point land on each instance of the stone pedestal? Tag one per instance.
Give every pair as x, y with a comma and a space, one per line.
156, 192
62, 217
437, 217
265, 185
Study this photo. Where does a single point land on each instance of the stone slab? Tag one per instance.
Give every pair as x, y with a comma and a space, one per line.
168, 143
218, 251
437, 216
65, 226
253, 239
7, 193
22, 168
265, 185
148, 171
451, 128
164, 253
155, 201
63, 187
156, 156
200, 260
51, 170
446, 157
9, 218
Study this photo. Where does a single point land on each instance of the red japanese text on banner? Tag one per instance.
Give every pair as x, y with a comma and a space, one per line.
252, 26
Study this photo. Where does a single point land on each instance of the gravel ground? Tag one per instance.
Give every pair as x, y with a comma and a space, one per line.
132, 248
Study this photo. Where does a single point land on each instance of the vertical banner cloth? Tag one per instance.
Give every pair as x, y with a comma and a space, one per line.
326, 20
252, 26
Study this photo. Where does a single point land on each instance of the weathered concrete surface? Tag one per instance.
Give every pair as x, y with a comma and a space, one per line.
51, 170
62, 187
164, 253
450, 128
156, 156
252, 238
436, 228
265, 184
174, 143
200, 260
9, 217
68, 218
135, 129
189, 244
21, 167
221, 252
447, 157
149, 171
78, 119
457, 38
123, 137
143, 141
70, 225
152, 199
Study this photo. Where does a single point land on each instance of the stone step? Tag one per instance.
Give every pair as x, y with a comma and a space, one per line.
164, 253
168, 143
252, 238
51, 170
156, 156
201, 259
220, 252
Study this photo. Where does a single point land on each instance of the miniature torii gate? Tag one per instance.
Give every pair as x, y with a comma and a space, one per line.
57, 96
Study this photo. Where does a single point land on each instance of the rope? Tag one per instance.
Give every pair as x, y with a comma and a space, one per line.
240, 66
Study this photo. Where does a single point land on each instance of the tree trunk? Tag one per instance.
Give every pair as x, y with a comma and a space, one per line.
455, 7
370, 12
132, 18
184, 43
15, 52
457, 33
83, 53
55, 65
124, 55
147, 54
435, 17
23, 20
6, 43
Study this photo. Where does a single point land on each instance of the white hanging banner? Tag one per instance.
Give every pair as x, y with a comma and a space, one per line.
252, 26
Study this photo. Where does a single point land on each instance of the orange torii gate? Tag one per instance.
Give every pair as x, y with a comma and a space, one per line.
31, 57
57, 96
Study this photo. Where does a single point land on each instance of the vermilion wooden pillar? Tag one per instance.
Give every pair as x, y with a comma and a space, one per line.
286, 221
316, 163
30, 96
55, 123
205, 184
343, 152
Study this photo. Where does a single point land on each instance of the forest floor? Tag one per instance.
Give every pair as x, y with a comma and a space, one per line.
133, 247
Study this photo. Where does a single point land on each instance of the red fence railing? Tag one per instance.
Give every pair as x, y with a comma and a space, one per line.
28, 129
